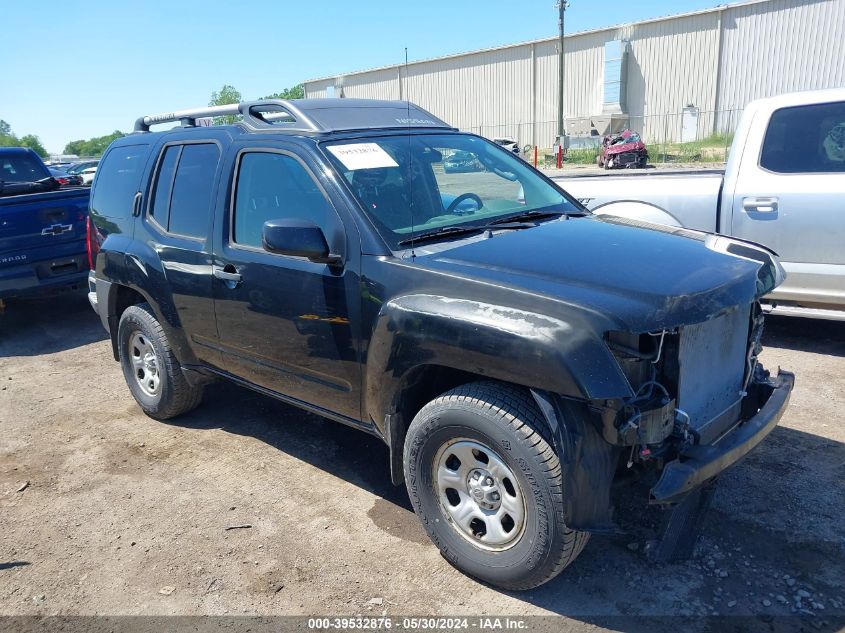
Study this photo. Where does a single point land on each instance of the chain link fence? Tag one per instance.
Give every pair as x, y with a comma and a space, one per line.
693, 136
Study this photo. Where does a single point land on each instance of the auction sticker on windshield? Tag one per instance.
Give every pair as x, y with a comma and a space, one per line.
362, 156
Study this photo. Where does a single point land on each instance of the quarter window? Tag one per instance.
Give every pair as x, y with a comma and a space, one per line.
806, 139
274, 186
164, 184
182, 193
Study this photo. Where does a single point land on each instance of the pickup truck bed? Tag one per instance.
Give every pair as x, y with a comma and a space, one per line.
689, 196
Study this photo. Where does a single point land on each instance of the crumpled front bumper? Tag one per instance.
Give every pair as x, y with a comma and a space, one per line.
701, 463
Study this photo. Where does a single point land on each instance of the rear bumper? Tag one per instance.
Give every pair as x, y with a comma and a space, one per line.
699, 464
43, 276
98, 290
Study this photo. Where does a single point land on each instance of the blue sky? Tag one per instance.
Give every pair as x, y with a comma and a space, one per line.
79, 69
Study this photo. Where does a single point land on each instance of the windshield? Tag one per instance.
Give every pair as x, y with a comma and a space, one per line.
414, 184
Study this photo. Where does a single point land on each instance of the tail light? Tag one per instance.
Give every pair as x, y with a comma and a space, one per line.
92, 241
62, 181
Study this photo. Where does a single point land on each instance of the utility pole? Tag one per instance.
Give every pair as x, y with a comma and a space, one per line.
561, 5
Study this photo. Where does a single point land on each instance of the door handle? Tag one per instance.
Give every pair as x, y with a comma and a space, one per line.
136, 205
760, 205
228, 274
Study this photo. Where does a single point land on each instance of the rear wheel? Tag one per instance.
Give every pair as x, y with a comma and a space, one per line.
487, 487
151, 370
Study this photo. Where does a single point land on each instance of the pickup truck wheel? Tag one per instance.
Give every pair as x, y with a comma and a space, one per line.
486, 485
150, 368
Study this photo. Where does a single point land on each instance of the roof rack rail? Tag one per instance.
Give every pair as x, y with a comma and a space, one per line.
265, 113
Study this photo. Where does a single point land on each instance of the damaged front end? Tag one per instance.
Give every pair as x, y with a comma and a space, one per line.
701, 402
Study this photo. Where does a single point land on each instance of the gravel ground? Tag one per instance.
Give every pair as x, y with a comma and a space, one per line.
248, 506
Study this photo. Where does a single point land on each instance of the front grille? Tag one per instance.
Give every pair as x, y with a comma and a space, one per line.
712, 364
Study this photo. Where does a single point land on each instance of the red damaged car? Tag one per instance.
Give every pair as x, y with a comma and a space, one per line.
625, 149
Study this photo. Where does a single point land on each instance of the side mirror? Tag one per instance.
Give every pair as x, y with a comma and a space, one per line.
298, 238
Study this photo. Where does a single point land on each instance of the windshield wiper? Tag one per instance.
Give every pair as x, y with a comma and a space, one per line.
451, 231
446, 231
529, 216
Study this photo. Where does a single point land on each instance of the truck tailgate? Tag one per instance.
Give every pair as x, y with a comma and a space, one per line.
41, 222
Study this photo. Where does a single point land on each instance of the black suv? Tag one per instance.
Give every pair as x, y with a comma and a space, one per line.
514, 352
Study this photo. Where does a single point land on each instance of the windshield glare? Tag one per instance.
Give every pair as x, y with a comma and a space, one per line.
414, 184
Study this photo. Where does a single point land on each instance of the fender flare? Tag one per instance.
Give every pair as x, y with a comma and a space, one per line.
588, 463
134, 274
637, 210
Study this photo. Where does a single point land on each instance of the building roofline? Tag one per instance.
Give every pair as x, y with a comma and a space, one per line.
541, 40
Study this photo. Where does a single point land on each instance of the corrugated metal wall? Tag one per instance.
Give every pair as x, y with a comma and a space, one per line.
319, 89
780, 46
716, 60
378, 84
672, 63
475, 91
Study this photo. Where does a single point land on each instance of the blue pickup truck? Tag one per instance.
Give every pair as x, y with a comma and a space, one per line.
43, 228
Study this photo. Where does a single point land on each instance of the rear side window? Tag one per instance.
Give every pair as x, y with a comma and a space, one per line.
274, 186
806, 139
181, 201
118, 180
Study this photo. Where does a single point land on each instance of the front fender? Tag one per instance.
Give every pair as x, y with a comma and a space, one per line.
566, 357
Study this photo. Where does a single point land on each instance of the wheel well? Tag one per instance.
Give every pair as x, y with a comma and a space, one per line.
126, 297
123, 298
419, 387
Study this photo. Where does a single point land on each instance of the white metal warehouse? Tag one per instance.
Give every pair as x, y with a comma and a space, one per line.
674, 78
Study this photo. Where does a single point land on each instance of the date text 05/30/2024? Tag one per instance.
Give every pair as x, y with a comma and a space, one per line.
418, 623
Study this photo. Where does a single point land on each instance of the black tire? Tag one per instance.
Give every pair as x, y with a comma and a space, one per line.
504, 417
175, 395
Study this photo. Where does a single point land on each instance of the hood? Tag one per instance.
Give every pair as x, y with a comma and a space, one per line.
641, 276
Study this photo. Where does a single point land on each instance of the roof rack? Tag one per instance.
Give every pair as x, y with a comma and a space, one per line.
256, 114
308, 115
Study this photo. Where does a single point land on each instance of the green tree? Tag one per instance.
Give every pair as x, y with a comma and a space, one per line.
297, 92
10, 139
93, 146
34, 143
225, 96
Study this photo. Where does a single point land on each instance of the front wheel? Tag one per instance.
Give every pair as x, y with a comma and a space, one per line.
487, 486
152, 371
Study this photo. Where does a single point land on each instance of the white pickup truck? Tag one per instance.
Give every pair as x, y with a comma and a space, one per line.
783, 187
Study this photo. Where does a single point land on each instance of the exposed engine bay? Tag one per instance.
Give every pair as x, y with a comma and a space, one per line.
688, 385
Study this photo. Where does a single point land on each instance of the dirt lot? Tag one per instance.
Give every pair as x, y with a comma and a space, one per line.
105, 511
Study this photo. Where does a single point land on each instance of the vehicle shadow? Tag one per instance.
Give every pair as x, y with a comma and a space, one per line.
806, 335
30, 327
771, 516
345, 452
